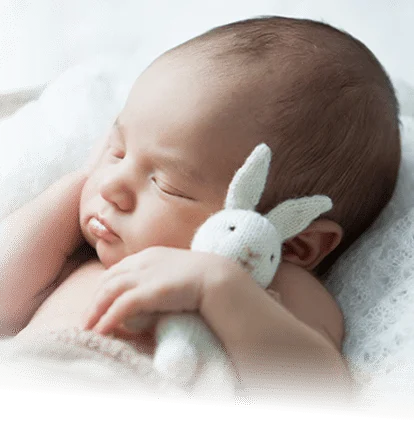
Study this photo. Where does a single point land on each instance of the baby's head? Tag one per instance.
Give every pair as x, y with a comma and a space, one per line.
315, 95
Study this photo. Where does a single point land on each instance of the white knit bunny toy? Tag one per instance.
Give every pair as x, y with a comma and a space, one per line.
241, 234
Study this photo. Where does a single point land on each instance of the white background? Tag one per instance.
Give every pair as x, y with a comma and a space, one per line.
39, 39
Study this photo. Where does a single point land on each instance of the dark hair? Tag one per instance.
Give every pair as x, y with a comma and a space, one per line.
330, 115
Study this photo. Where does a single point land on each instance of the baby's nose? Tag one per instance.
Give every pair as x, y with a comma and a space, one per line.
118, 195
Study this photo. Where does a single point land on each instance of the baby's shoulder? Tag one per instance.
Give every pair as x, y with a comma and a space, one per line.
308, 300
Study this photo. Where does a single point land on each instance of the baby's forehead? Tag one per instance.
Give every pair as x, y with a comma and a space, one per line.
178, 98
195, 113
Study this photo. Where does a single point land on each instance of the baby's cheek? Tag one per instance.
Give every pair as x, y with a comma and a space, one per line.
180, 226
90, 191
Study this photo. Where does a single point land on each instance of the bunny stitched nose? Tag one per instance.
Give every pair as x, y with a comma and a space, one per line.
246, 264
246, 261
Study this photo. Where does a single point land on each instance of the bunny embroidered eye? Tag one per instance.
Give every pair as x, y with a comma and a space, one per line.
232, 228
272, 257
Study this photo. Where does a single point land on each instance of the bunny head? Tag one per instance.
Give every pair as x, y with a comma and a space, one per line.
247, 237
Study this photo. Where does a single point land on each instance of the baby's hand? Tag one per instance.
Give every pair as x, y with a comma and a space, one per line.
158, 279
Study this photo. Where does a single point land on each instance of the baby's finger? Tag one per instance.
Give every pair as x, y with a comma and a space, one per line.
123, 307
104, 300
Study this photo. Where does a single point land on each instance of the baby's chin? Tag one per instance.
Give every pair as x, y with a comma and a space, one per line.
107, 254
88, 236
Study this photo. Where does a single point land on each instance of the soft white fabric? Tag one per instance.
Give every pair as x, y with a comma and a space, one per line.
52, 136
78, 360
374, 284
84, 360
373, 281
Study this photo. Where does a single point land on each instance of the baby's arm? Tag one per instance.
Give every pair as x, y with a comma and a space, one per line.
35, 242
296, 341
263, 338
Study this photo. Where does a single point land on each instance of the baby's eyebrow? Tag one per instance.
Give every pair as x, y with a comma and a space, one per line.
178, 165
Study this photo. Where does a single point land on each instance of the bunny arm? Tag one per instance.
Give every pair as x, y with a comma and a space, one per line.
184, 342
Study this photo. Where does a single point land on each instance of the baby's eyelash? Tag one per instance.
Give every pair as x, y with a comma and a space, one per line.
154, 180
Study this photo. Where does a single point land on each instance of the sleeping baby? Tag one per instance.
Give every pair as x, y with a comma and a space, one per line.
112, 239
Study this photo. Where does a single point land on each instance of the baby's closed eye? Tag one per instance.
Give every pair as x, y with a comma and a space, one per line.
168, 189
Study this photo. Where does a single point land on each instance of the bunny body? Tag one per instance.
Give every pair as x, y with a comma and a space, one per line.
243, 236
248, 238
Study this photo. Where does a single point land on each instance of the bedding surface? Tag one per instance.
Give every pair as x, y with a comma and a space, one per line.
88, 358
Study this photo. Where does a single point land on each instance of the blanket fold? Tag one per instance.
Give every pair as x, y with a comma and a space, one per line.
74, 356
84, 361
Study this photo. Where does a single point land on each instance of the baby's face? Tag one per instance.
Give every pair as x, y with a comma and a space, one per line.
170, 157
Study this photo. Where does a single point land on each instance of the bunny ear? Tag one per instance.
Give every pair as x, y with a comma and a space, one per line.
248, 183
293, 216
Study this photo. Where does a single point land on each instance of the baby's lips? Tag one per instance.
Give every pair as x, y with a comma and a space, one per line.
99, 230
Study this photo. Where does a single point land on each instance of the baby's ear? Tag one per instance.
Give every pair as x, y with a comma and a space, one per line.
310, 247
248, 183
